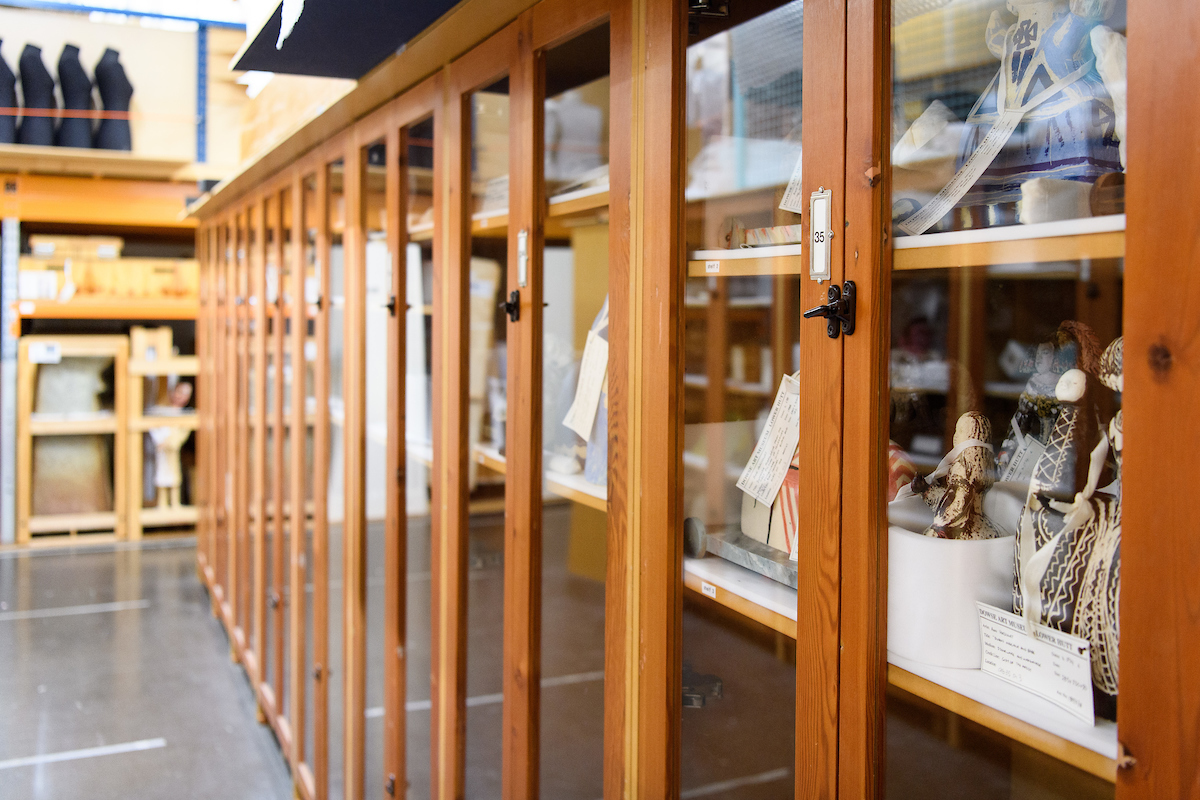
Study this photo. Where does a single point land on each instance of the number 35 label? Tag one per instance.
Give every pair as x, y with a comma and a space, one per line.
819, 210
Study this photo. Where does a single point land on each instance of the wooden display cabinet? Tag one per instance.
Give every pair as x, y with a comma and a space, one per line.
825, 683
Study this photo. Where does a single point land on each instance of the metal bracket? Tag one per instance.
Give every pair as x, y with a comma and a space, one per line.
839, 311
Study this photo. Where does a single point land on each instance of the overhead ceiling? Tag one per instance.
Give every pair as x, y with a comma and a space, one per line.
339, 38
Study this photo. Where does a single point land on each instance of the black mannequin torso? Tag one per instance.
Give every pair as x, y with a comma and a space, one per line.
77, 95
115, 92
8, 99
37, 86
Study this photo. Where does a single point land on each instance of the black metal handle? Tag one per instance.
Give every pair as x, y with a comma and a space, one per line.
391, 305
838, 312
512, 306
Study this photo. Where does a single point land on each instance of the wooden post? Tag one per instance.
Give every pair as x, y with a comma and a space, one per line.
644, 590
866, 250
354, 525
279, 437
298, 570
257, 258
321, 435
1160, 628
523, 493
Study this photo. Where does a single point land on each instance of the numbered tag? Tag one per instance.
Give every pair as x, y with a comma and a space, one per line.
819, 211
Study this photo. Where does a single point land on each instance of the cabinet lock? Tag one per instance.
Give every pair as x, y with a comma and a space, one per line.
839, 311
512, 306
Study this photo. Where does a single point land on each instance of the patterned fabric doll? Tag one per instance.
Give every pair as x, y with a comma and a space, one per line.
1070, 134
957, 499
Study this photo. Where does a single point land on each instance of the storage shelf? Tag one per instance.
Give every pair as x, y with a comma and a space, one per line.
580, 201
154, 517
559, 207
86, 309
752, 595
783, 259
1068, 240
61, 523
146, 422
733, 387
175, 365
72, 424
970, 693
1012, 712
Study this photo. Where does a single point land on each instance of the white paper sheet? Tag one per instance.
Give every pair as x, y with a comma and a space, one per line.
768, 464
593, 373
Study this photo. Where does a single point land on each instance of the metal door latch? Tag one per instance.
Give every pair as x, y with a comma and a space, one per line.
839, 311
390, 305
512, 306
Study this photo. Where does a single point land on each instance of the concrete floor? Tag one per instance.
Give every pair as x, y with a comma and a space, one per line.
106, 651
153, 672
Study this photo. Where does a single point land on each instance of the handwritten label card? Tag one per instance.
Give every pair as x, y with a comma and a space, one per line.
768, 464
593, 372
793, 198
1051, 664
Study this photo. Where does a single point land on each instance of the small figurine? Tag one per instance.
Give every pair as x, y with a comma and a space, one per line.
1068, 130
956, 496
1073, 345
168, 476
1069, 541
901, 469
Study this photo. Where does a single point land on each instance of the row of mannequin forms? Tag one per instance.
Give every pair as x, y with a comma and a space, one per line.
37, 90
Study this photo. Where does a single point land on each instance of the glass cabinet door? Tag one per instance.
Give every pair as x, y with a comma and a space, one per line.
574, 424
1004, 459
742, 384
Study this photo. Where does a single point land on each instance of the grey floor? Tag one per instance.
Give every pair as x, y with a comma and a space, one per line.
115, 682
111, 661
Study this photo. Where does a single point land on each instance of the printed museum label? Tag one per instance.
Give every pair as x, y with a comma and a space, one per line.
1051, 664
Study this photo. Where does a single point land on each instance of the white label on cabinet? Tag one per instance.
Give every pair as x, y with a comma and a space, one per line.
712, 266
25, 307
768, 464
820, 211
1051, 664
593, 370
793, 198
45, 353
708, 590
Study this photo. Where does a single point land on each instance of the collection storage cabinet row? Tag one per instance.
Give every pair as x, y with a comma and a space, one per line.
616, 401
98, 456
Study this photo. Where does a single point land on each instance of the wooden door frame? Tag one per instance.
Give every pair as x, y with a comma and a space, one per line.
451, 372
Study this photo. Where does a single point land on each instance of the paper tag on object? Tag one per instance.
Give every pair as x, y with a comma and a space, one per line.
1020, 466
1052, 664
592, 372
965, 178
768, 464
793, 198
45, 353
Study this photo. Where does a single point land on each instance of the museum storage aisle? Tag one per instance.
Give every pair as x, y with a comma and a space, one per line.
118, 684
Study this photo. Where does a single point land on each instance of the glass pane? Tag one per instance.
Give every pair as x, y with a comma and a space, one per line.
378, 288
740, 353
283, 527
309, 291
574, 416
1004, 454
248, 445
268, 654
417, 180
335, 487
486, 418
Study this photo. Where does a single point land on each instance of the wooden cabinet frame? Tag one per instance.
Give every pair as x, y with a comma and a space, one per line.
841, 671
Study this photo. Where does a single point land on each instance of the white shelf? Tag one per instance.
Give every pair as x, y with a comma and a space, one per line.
756, 589
736, 254
1017, 703
1011, 233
